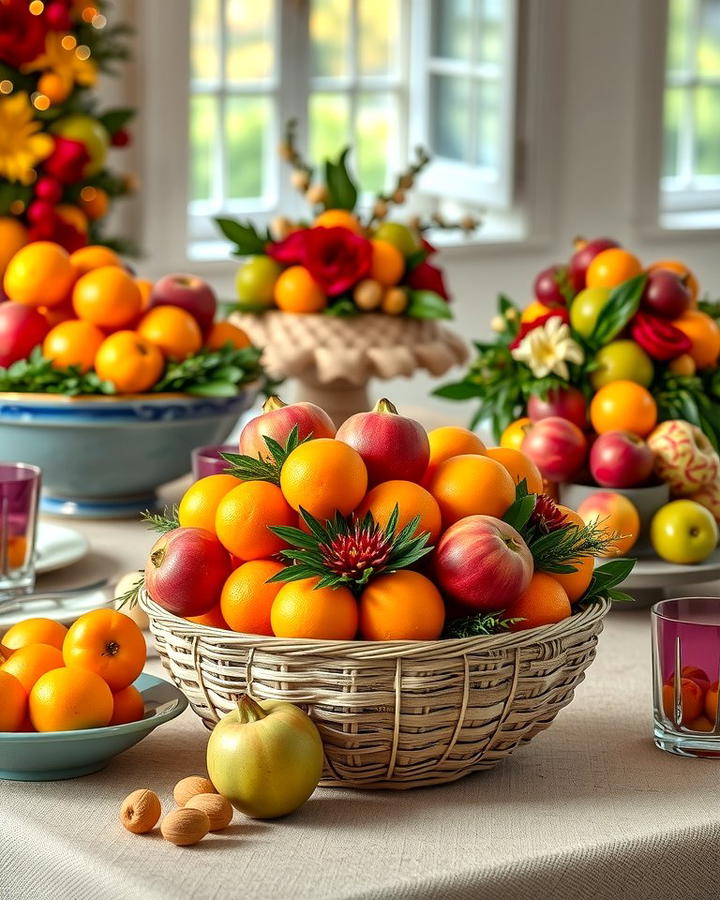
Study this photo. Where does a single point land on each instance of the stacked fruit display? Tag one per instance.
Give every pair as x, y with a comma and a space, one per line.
378, 531
57, 679
81, 323
609, 378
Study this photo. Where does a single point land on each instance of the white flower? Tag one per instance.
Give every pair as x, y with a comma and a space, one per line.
549, 348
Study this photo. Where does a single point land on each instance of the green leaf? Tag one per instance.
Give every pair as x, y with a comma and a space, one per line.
342, 193
249, 242
414, 259
115, 119
213, 389
341, 308
623, 303
427, 305
520, 511
461, 390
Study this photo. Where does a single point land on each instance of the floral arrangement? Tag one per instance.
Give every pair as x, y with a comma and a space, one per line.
54, 184
344, 259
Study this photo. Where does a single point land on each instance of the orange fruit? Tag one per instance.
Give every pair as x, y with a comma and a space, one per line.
533, 311
54, 86
704, 336
73, 216
247, 598
73, 343
623, 406
128, 706
514, 434
616, 514
223, 333
28, 663
402, 606
13, 707
674, 265
17, 551
244, 517
324, 476
145, 287
542, 603
300, 611
711, 701
683, 365
296, 291
94, 202
576, 583
130, 362
471, 485
338, 218
611, 267
94, 256
70, 699
448, 441
200, 501
40, 274
573, 517
173, 330
692, 700
35, 631
411, 500
107, 297
213, 618
387, 264
519, 467
13, 236
108, 643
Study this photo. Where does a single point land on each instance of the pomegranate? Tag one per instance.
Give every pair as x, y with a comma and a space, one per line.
21, 328
277, 421
568, 403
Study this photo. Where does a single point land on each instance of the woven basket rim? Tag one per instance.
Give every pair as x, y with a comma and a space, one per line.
578, 622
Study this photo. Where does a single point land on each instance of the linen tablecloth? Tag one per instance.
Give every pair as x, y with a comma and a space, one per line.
590, 808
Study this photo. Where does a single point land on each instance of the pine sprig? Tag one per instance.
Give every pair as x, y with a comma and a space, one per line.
479, 624
162, 522
554, 552
130, 598
249, 468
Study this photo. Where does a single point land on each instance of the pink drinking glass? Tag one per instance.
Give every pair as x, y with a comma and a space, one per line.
686, 667
207, 460
19, 495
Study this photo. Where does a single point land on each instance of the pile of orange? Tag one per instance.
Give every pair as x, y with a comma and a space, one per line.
99, 315
57, 679
324, 476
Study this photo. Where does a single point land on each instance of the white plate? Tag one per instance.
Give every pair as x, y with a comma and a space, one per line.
64, 610
657, 573
58, 546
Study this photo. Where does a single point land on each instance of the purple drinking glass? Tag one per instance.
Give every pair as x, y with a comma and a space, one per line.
686, 667
207, 460
19, 495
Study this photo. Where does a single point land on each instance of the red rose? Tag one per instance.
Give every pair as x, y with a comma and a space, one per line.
67, 161
659, 338
427, 277
337, 258
526, 327
22, 35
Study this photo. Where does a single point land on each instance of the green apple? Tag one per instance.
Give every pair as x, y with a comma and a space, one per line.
622, 361
255, 281
683, 532
399, 236
87, 131
586, 307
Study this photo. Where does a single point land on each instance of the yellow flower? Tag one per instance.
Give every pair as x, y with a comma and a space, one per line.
64, 62
21, 147
549, 348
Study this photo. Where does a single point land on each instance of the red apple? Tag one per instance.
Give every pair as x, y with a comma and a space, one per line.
568, 403
392, 446
277, 421
582, 258
665, 295
186, 571
557, 447
21, 329
619, 459
189, 293
547, 286
483, 563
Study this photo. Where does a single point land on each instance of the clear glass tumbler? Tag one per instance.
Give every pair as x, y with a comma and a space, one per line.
19, 495
686, 667
207, 460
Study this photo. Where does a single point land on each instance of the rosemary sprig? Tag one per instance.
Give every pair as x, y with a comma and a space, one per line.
478, 624
249, 468
162, 522
130, 598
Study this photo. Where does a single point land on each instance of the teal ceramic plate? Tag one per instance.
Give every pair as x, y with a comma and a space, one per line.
55, 755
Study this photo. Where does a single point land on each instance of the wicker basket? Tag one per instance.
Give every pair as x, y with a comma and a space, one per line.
397, 714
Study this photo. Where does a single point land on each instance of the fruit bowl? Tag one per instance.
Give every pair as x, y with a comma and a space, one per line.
104, 456
392, 714
57, 755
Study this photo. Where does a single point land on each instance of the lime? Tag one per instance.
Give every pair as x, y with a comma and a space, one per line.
255, 281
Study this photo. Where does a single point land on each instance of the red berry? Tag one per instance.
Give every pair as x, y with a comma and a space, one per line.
40, 212
58, 17
121, 138
48, 189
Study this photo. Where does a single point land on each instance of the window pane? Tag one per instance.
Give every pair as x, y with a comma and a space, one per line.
247, 131
378, 39
450, 100
452, 28
488, 124
709, 45
491, 30
330, 38
249, 28
204, 40
707, 129
376, 140
203, 134
678, 35
329, 125
672, 119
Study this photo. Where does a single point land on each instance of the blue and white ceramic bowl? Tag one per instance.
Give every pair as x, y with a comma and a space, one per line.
104, 457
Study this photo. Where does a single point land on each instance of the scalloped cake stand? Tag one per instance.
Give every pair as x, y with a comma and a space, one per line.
333, 359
